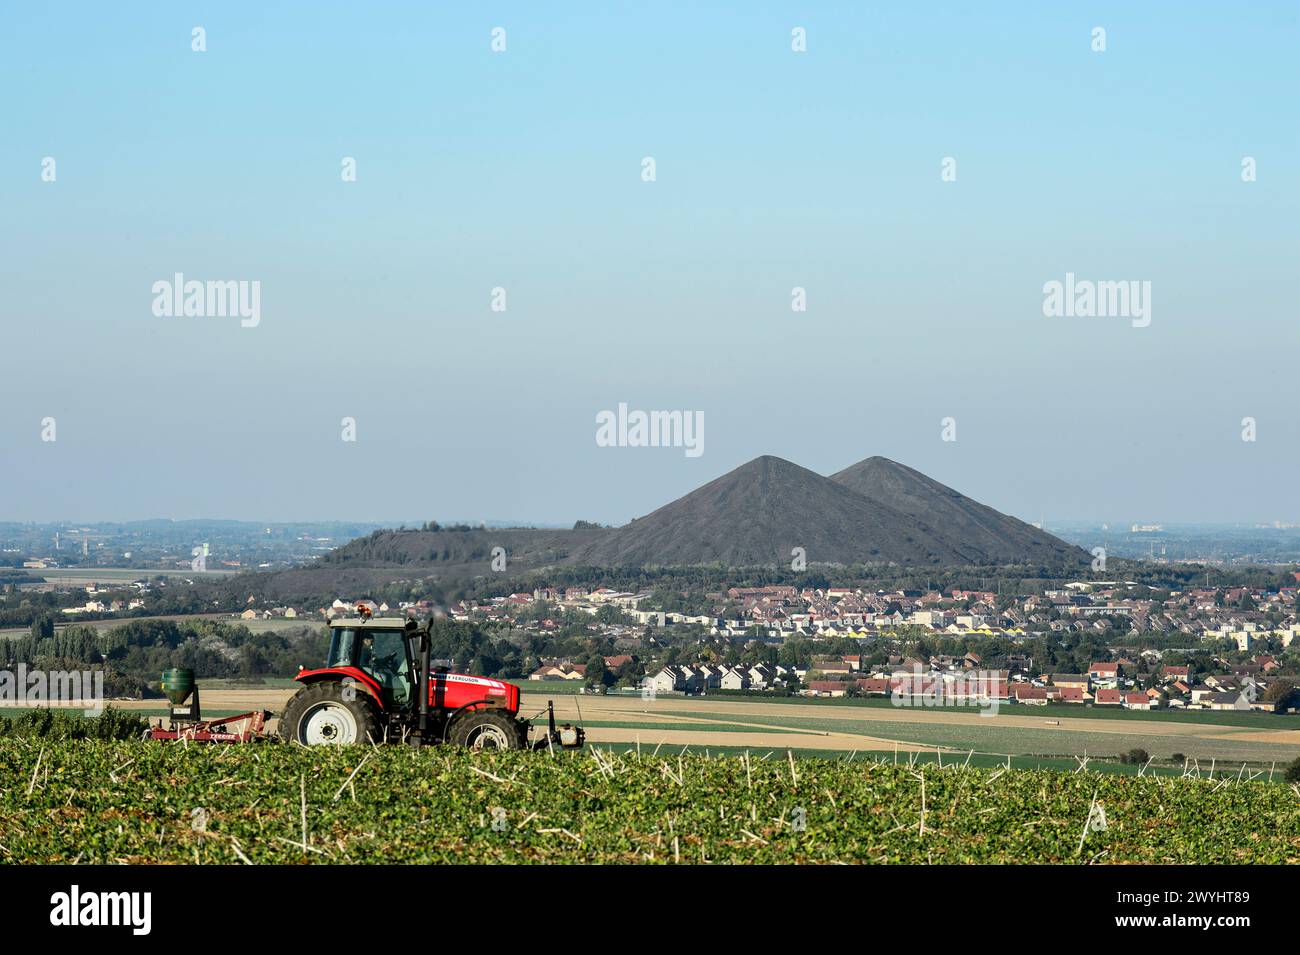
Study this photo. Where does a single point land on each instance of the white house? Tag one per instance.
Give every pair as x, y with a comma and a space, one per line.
736, 679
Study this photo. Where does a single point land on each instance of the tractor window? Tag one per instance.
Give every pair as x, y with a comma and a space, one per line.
342, 643
383, 655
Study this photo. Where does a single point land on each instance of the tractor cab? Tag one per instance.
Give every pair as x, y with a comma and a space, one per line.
382, 649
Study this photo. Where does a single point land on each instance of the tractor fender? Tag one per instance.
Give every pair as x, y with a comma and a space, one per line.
363, 681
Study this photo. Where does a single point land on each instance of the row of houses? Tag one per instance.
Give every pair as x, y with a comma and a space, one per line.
677, 678
958, 679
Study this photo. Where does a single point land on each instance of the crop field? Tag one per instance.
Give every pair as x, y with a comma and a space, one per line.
91, 801
938, 759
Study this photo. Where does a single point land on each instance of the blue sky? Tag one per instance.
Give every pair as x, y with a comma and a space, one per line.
522, 170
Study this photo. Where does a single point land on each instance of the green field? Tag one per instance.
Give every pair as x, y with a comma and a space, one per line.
1052, 711
118, 802
274, 624
939, 760
712, 727
118, 575
278, 624
543, 688
992, 737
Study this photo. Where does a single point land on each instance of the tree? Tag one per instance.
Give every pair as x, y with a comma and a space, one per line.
608, 614
595, 671
1293, 771
1281, 692
1136, 757
42, 627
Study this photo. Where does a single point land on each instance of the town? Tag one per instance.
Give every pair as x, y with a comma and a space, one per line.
1199, 649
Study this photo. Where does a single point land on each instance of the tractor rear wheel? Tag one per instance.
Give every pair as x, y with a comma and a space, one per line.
328, 714
486, 729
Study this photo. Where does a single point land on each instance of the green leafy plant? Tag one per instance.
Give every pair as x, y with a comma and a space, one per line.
137, 801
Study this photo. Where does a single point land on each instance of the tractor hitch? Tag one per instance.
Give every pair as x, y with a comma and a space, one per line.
565, 736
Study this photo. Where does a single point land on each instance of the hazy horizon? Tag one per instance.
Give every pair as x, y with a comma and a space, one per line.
1118, 522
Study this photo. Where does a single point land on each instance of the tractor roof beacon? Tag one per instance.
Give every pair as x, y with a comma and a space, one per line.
369, 691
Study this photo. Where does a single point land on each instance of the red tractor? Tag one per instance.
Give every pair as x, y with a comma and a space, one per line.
369, 690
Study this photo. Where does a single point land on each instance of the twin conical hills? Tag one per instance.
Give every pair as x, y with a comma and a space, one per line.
875, 511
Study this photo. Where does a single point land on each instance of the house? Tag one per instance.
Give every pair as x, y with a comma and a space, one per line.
1074, 694
667, 680
1078, 681
873, 687
1019, 663
735, 679
827, 688
1104, 672
831, 665
676, 678
1032, 695
710, 676
1137, 701
908, 666
1223, 684
1108, 696
1201, 692
564, 671
1234, 700
1168, 673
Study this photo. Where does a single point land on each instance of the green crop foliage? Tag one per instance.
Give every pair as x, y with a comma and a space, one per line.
97, 801
47, 723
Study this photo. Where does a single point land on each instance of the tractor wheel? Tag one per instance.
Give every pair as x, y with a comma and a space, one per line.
323, 714
486, 729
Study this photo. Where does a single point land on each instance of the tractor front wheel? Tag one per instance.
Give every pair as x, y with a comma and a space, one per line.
329, 714
486, 729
